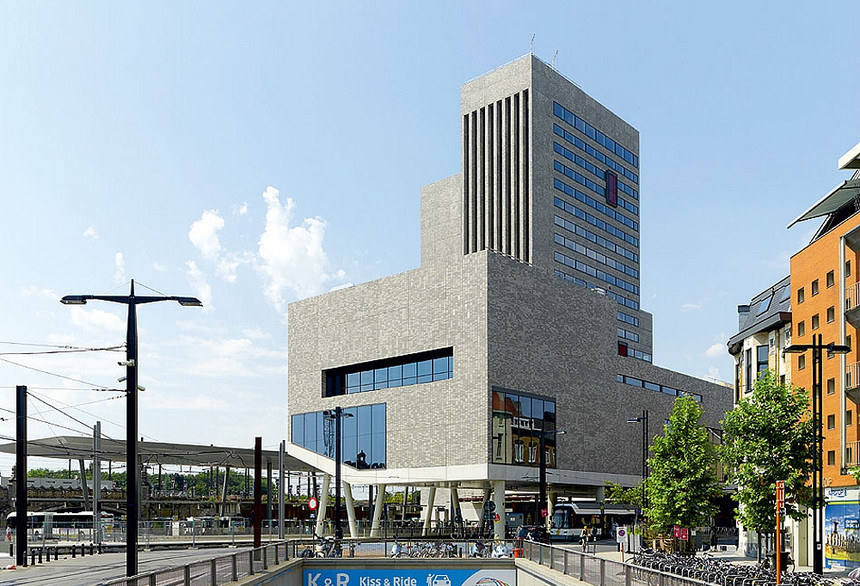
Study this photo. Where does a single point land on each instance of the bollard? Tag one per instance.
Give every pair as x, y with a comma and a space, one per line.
83, 550
11, 550
32, 557
100, 548
91, 549
73, 550
40, 554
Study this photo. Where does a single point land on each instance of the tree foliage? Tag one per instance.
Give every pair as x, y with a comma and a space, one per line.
767, 437
682, 486
617, 494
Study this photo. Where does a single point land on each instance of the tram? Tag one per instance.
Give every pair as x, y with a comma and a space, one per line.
569, 519
56, 525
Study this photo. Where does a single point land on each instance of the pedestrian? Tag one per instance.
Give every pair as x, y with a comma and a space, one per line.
586, 533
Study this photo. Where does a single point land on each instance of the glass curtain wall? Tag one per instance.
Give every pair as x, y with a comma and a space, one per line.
518, 422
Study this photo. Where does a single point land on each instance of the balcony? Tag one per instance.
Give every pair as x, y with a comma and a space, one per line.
852, 382
852, 305
852, 454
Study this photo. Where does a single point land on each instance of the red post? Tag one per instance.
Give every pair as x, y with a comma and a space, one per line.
780, 503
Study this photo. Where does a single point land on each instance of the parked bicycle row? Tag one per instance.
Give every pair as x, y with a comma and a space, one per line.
329, 547
718, 571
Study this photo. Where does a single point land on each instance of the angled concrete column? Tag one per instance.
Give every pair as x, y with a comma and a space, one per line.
84, 487
455, 509
350, 510
377, 510
551, 499
431, 498
499, 500
323, 504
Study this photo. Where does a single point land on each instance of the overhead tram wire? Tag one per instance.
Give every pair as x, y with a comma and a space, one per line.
77, 380
78, 407
66, 350
78, 389
58, 410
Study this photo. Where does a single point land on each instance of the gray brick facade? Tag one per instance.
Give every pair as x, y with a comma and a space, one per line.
487, 287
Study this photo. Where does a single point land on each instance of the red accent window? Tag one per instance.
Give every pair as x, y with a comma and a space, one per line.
611, 188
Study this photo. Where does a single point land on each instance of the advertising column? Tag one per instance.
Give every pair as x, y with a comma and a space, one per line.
842, 527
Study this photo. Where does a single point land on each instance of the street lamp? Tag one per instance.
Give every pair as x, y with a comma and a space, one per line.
643, 419
337, 414
131, 364
817, 468
541, 502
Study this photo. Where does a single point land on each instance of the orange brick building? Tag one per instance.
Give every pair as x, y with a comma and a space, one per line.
825, 299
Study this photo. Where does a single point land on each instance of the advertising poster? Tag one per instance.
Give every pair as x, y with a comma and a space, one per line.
428, 577
842, 527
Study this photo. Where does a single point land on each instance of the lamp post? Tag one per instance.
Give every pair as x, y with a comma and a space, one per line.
131, 364
541, 502
643, 419
817, 468
337, 413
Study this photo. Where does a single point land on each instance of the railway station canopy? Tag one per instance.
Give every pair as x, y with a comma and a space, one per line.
70, 447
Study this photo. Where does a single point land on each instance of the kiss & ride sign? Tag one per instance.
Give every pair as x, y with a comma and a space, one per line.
404, 577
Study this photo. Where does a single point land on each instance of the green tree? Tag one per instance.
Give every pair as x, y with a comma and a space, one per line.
682, 486
767, 437
617, 494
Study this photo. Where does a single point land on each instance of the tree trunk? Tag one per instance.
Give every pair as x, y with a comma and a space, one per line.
758, 552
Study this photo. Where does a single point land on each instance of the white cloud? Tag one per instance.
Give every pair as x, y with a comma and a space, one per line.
39, 292
159, 267
227, 357
291, 258
716, 350
119, 275
255, 334
230, 263
97, 320
714, 373
690, 306
90, 233
178, 402
204, 233
202, 288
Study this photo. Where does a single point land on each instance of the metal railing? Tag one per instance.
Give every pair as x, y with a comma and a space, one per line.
598, 571
219, 570
852, 453
852, 375
852, 296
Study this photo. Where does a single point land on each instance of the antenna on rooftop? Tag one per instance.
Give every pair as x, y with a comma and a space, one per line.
532, 46
553, 58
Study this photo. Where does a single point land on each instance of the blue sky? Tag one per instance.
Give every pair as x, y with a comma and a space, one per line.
256, 153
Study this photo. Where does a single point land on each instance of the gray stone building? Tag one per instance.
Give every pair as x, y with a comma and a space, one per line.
522, 324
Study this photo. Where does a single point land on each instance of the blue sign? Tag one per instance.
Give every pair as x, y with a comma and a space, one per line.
435, 577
